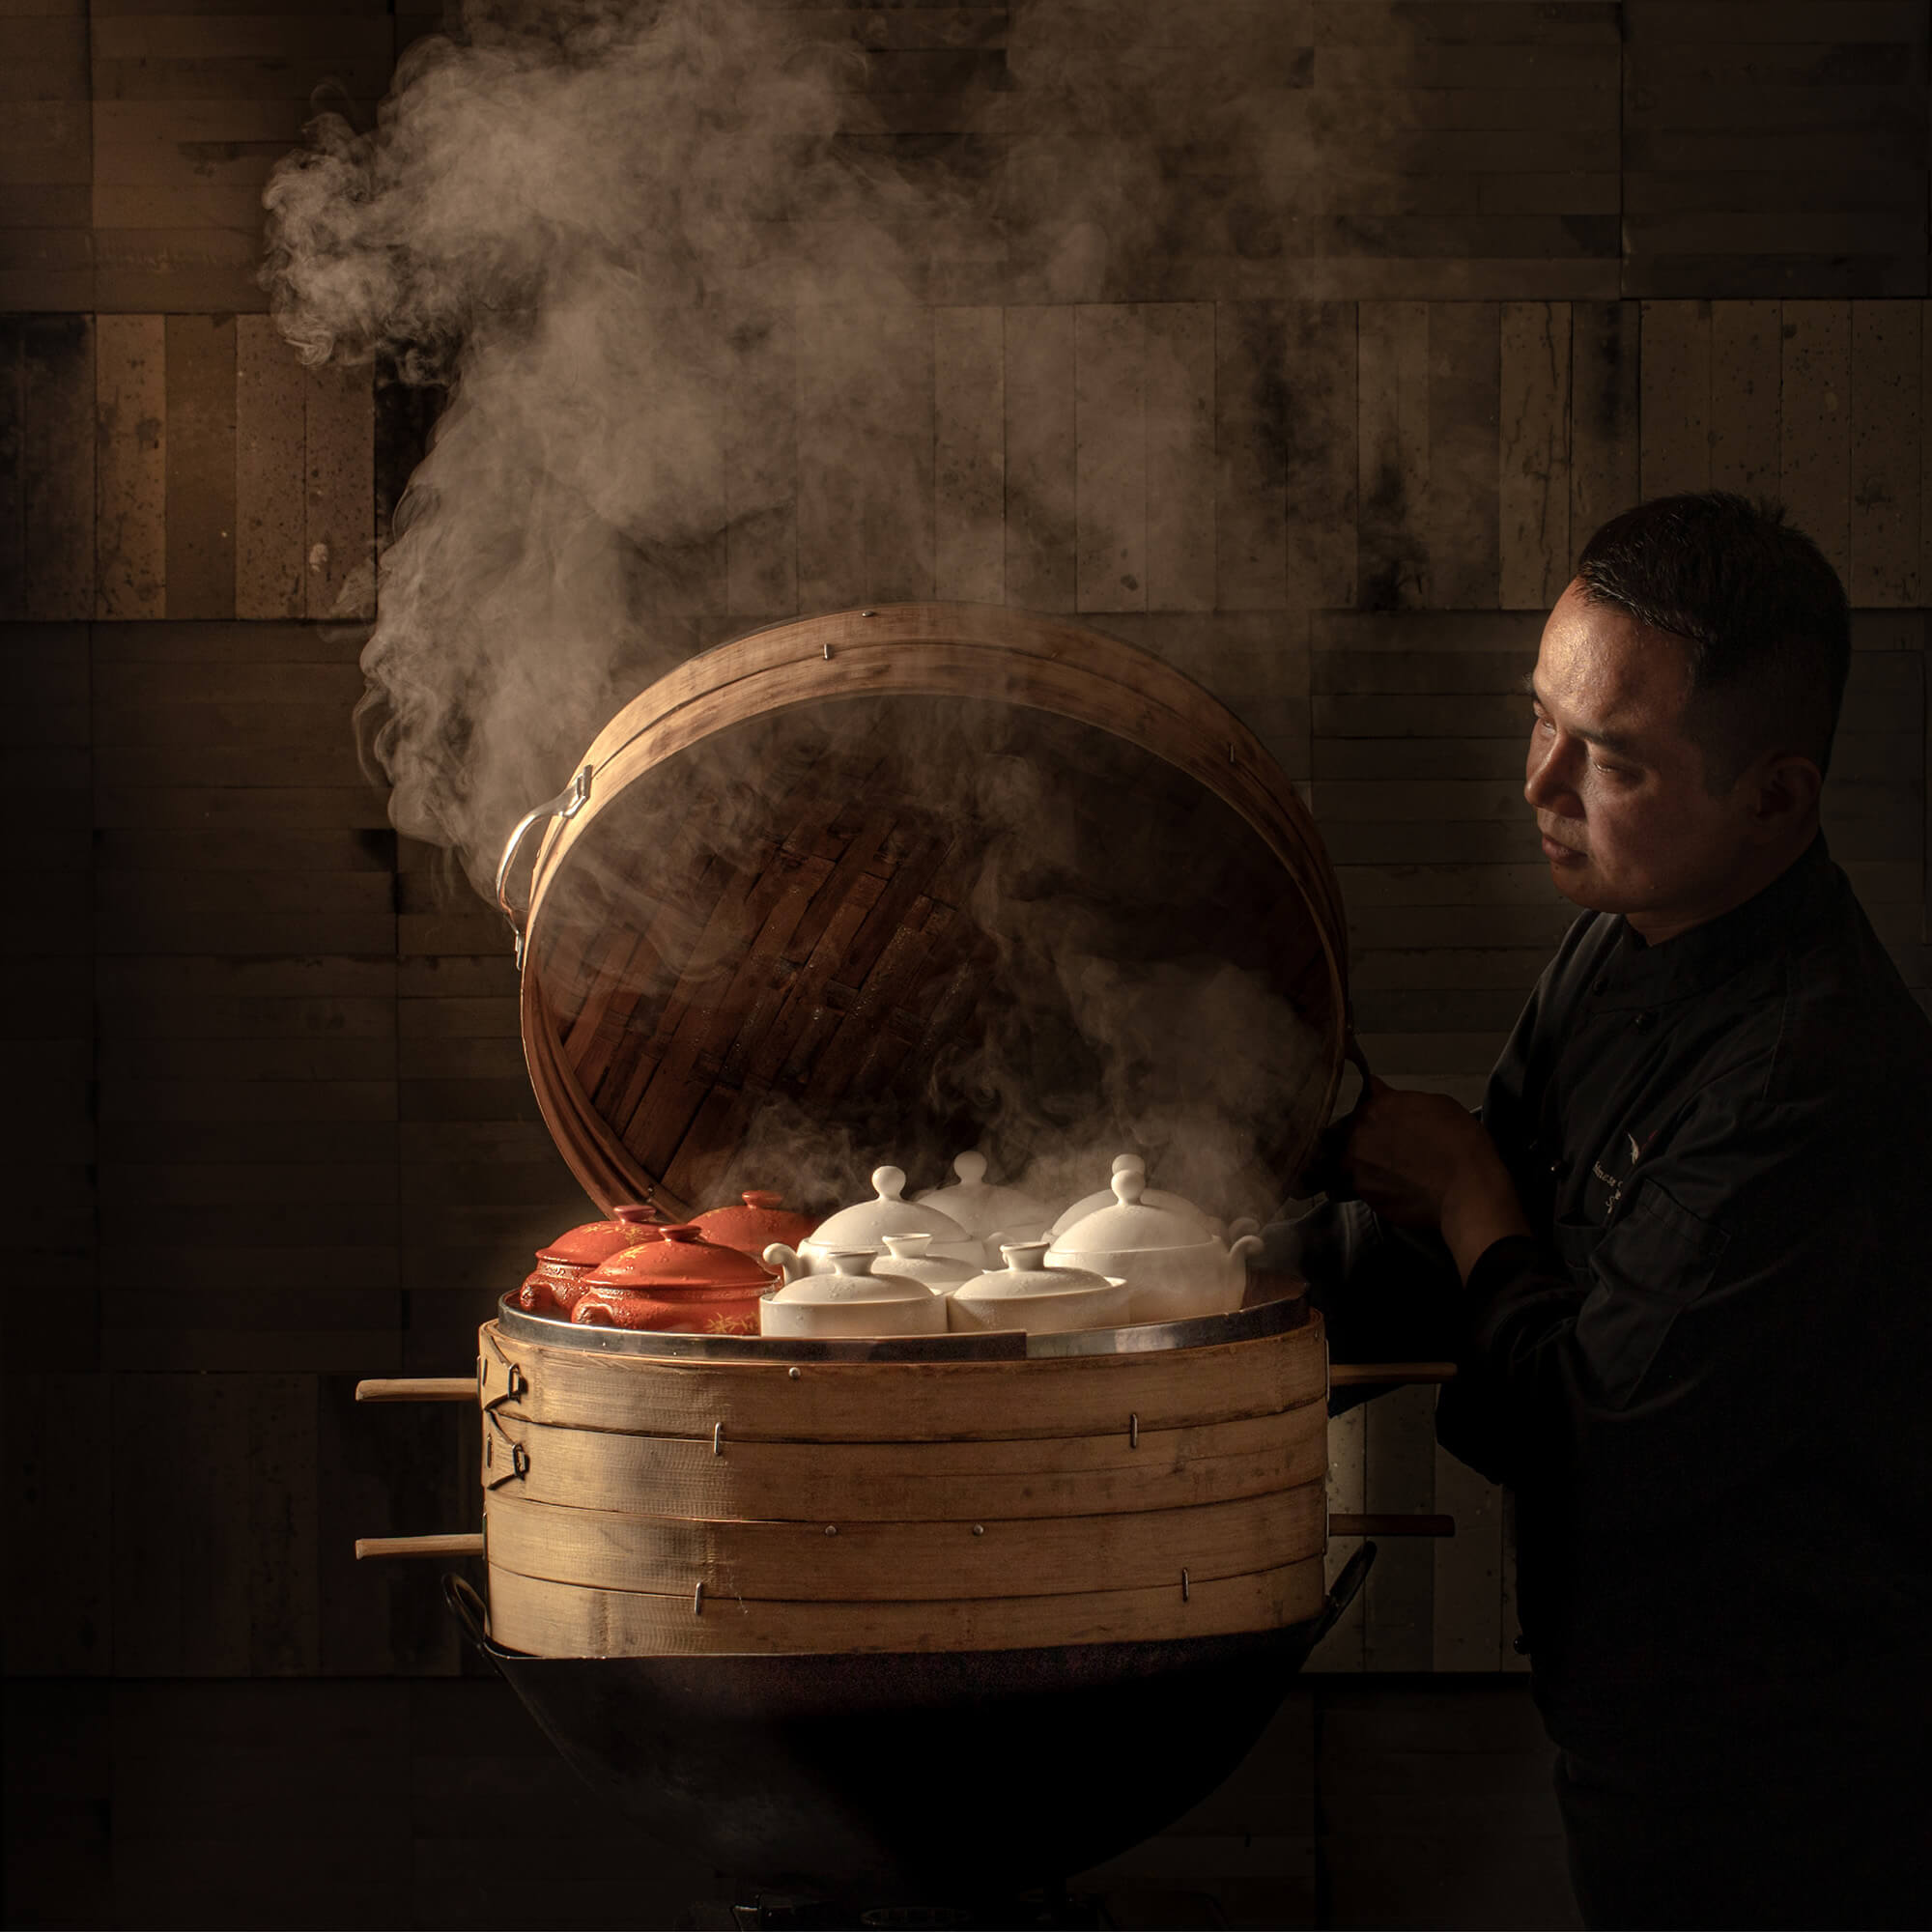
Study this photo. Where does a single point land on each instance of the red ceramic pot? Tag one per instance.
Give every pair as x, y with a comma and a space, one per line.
555, 1284
679, 1282
754, 1227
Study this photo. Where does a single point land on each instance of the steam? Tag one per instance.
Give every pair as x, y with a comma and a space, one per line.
597, 234
618, 233
1109, 988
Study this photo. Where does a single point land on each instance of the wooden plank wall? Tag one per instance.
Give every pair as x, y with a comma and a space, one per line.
279, 1132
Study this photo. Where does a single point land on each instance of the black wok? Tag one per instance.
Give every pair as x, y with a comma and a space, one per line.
940, 1774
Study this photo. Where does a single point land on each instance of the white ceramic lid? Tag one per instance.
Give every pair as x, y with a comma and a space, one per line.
1131, 1221
849, 1278
852, 1301
1026, 1272
982, 1207
1150, 1197
910, 1256
866, 1224
1029, 1295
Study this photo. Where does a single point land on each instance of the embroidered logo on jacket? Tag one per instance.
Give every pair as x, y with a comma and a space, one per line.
1616, 1183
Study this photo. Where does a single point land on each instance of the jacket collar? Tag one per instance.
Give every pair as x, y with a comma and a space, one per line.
1642, 975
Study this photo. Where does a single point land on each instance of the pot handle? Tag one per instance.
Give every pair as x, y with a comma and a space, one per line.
470, 1611
565, 804
1348, 1586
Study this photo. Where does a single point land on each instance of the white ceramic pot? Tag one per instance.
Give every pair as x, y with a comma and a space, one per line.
987, 1212
850, 1300
908, 1256
866, 1225
1027, 1294
1173, 1272
1152, 1197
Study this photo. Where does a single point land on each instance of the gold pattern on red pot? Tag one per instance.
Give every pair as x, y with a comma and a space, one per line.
679, 1282
754, 1222
552, 1287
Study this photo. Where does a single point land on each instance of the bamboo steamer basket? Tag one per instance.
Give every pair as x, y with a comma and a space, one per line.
643, 1505
760, 889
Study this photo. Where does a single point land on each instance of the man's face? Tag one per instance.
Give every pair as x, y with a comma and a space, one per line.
1618, 787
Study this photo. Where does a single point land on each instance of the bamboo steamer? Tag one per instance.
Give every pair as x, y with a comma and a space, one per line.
769, 888
766, 885
637, 1505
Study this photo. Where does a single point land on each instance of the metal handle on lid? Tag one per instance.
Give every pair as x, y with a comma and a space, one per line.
565, 804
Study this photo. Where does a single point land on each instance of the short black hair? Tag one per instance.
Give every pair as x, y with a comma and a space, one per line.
1758, 608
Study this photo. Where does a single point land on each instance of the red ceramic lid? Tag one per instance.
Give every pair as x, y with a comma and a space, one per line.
597, 1241
753, 1228
681, 1259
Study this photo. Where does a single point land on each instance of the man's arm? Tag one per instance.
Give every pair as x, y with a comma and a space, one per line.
1660, 1361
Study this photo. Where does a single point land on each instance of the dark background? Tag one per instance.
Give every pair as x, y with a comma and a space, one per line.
271, 1128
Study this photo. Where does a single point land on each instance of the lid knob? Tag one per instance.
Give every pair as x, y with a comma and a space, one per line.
683, 1230
888, 1183
851, 1261
1129, 1162
1026, 1257
970, 1167
761, 1198
907, 1247
1129, 1183
638, 1214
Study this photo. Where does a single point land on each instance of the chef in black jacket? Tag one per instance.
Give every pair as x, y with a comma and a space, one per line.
1682, 1258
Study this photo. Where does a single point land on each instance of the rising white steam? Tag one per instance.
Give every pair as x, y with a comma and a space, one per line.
597, 234
615, 231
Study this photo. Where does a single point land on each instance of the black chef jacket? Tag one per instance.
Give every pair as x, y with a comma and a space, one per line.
1708, 1375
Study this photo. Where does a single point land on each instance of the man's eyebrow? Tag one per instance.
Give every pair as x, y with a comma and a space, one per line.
1612, 741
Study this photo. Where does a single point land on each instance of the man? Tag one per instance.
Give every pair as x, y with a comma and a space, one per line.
1682, 1258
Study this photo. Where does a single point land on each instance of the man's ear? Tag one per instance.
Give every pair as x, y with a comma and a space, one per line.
1784, 793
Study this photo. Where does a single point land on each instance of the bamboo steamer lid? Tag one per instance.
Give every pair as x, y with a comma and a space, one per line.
763, 888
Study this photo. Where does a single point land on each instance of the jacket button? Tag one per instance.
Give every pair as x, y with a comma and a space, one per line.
1643, 1022
1520, 1644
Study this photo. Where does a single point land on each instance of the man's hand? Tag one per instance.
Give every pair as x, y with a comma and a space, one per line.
1423, 1160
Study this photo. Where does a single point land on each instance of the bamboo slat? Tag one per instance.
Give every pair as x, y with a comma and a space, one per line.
926, 1482
894, 1402
828, 1561
550, 1619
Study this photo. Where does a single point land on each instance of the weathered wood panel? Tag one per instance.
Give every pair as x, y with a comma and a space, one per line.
270, 433
131, 508
1111, 508
1321, 456
1674, 363
1464, 458
1181, 456
1887, 434
1533, 487
1393, 452
201, 466
969, 456
1814, 439
1040, 573
57, 468
1603, 422
1746, 338
339, 525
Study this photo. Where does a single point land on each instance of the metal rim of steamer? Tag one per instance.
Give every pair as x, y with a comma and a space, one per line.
1205, 1331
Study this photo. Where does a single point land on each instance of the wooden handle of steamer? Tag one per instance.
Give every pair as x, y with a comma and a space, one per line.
419, 1388
1391, 1525
1353, 1375
469, 1543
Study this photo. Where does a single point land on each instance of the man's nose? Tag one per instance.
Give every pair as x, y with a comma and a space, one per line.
1544, 784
